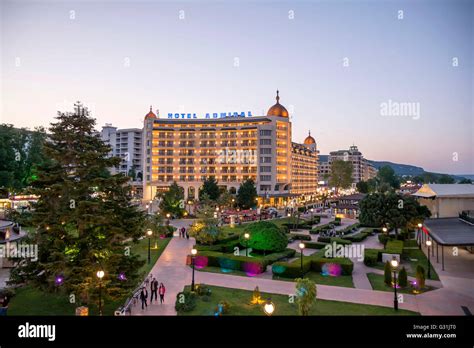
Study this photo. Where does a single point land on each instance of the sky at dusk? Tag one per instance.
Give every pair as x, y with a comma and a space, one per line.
335, 63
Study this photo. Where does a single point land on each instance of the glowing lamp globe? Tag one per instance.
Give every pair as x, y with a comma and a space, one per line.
193, 251
149, 232
428, 243
420, 225
246, 236
394, 263
100, 274
301, 246
269, 308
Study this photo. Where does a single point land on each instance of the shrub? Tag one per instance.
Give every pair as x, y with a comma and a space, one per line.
293, 269
420, 276
266, 236
315, 245
371, 257
205, 234
347, 266
340, 241
337, 219
237, 263
383, 238
403, 277
225, 306
324, 239
185, 301
387, 273
203, 290
287, 253
359, 237
298, 236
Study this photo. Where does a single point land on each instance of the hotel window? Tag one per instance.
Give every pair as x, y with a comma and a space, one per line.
265, 160
265, 169
265, 187
265, 132
265, 151
265, 141
265, 178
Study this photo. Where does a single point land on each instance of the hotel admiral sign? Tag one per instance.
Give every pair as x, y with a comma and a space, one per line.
211, 115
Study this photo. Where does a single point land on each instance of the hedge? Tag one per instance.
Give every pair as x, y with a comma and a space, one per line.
347, 266
297, 236
293, 269
239, 263
334, 239
315, 245
224, 247
287, 253
359, 237
371, 256
394, 247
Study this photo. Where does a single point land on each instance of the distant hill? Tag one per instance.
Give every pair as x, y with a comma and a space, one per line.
404, 169
400, 169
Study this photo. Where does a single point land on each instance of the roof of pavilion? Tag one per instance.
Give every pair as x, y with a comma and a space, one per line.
445, 190
450, 231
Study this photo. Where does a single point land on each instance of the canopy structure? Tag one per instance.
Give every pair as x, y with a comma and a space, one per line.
445, 191
447, 232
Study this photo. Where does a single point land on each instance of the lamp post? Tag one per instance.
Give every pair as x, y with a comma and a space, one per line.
247, 237
149, 233
193, 255
419, 235
394, 264
311, 210
100, 275
151, 207
384, 230
168, 218
301, 246
428, 244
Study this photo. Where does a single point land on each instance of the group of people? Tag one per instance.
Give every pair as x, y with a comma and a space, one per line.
183, 233
155, 290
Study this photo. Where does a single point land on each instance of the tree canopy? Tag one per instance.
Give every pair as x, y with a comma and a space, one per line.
341, 174
265, 236
247, 194
210, 187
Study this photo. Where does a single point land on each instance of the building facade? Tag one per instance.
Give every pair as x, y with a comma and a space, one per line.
126, 144
304, 168
231, 149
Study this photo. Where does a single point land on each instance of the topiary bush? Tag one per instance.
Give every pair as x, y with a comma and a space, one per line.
371, 257
291, 269
420, 276
347, 266
185, 301
403, 277
387, 274
265, 236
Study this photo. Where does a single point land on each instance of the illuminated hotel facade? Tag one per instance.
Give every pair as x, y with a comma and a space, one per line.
232, 149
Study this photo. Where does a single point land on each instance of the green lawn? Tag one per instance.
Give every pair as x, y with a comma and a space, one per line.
377, 282
421, 260
32, 301
239, 301
318, 278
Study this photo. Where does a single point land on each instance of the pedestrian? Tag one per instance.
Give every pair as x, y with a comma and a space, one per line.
144, 297
183, 232
162, 291
187, 234
154, 290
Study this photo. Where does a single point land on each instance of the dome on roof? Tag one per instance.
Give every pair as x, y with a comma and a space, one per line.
309, 139
151, 114
277, 109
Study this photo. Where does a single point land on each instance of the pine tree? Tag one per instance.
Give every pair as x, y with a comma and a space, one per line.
420, 276
84, 216
387, 274
247, 194
403, 277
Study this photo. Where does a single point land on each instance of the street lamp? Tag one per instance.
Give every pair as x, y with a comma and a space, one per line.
311, 210
420, 225
269, 307
100, 275
301, 246
394, 264
168, 218
384, 230
149, 233
246, 236
428, 244
193, 256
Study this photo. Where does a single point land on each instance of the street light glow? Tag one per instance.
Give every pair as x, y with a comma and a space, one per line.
246, 236
428, 243
269, 307
394, 263
193, 251
420, 225
100, 274
301, 245
149, 232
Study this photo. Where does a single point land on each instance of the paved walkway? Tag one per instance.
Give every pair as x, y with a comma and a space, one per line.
171, 269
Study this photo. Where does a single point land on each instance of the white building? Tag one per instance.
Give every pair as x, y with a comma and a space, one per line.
126, 144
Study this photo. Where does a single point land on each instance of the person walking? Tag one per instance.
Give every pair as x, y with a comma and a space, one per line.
182, 232
187, 233
154, 290
143, 297
162, 291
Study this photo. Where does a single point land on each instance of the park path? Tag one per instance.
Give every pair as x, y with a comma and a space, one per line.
171, 269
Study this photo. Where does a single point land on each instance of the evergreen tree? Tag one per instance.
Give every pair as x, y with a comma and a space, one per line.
210, 187
403, 277
247, 194
305, 295
84, 216
420, 277
387, 273
172, 201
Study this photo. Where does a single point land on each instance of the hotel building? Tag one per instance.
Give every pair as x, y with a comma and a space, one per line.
232, 149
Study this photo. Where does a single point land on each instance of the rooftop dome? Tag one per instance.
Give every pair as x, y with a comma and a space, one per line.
151, 114
309, 139
277, 109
